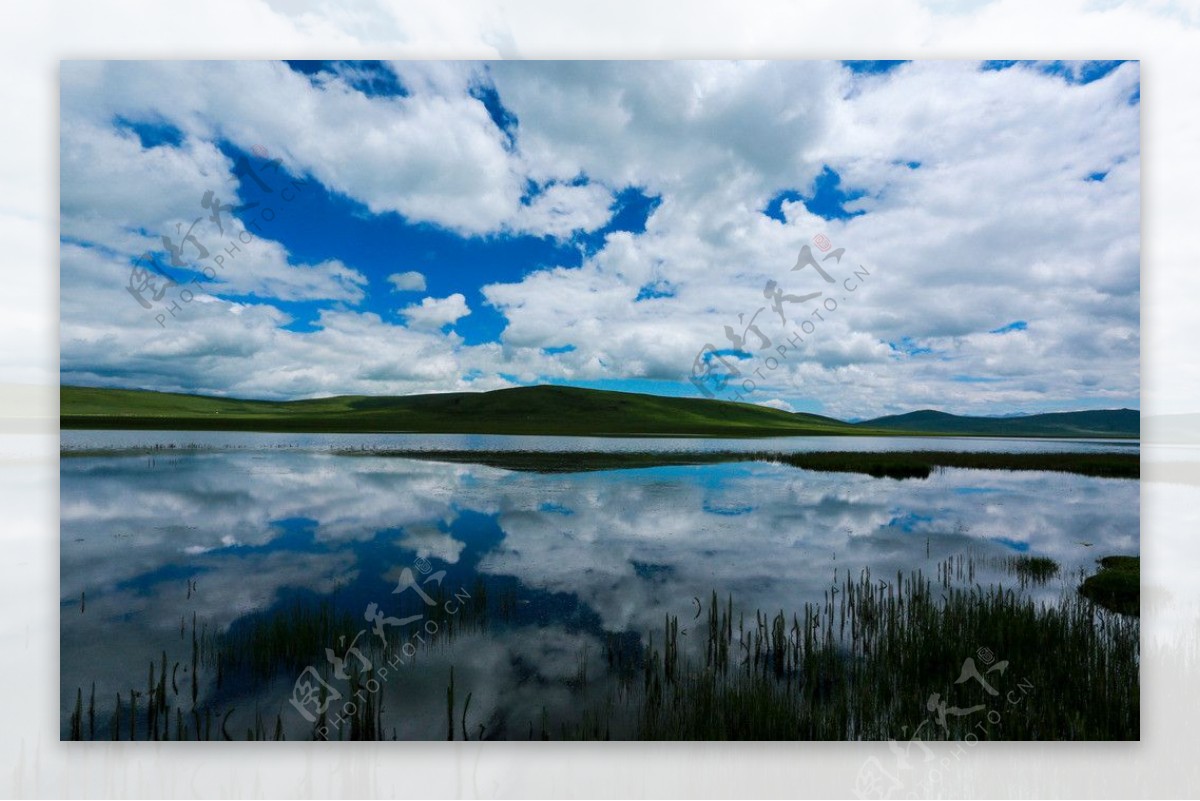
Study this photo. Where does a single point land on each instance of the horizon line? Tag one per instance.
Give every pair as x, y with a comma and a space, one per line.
850, 420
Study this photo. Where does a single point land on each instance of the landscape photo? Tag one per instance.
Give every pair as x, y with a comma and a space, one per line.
601, 400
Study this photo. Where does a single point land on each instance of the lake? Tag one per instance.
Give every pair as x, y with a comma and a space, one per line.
533, 588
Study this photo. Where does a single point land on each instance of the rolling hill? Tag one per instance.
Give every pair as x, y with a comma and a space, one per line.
548, 410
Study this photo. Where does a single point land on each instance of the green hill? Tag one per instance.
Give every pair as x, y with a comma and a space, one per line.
550, 410
1101, 423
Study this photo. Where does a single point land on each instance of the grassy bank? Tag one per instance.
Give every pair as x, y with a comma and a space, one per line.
891, 464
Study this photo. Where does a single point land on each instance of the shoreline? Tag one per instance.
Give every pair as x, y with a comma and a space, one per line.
881, 464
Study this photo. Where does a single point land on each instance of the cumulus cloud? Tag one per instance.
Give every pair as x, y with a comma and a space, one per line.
986, 196
433, 156
433, 313
563, 209
410, 281
982, 206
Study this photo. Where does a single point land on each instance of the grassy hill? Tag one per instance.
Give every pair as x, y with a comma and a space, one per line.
1102, 423
550, 410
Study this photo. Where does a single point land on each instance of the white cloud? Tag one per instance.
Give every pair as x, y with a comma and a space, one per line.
120, 196
430, 541
433, 156
994, 221
563, 209
433, 313
407, 282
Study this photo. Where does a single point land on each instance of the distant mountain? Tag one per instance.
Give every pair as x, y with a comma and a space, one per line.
1100, 423
548, 410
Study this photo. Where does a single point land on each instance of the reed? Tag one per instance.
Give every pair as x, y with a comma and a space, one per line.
861, 663
450, 706
1033, 569
864, 663
77, 717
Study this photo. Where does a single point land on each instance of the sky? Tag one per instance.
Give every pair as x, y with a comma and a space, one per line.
304, 229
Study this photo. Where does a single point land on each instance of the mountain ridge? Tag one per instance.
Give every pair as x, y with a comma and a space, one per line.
1086, 423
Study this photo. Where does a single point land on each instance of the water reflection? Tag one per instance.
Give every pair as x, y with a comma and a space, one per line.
77, 440
582, 556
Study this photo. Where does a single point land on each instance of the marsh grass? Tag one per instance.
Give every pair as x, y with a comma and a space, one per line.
862, 663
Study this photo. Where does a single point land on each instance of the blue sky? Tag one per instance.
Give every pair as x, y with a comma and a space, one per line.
456, 226
321, 224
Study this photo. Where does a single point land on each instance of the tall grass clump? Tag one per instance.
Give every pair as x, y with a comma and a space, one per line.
1033, 569
864, 664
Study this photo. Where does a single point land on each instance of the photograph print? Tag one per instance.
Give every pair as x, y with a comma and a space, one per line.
604, 400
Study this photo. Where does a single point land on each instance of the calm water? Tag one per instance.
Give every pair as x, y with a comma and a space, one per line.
261, 522
223, 440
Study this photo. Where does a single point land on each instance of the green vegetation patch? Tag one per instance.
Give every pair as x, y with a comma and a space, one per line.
893, 464
1117, 585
